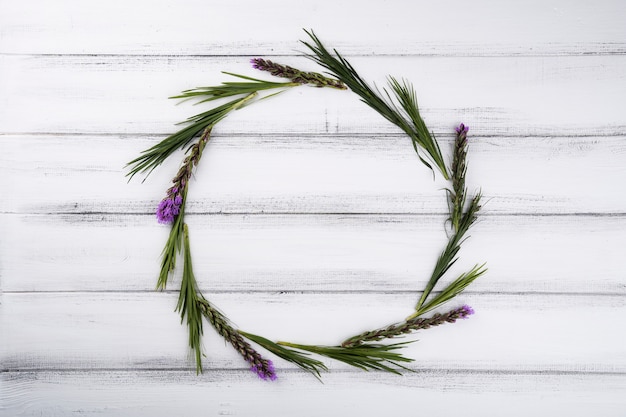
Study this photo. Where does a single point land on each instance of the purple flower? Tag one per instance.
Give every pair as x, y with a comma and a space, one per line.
169, 208
465, 311
462, 129
257, 63
265, 371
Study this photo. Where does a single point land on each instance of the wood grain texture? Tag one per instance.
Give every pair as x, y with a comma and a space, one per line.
320, 174
456, 28
103, 252
165, 393
125, 330
497, 96
311, 218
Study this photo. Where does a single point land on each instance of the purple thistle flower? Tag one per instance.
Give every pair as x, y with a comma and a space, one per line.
462, 128
169, 207
164, 211
265, 371
465, 311
256, 63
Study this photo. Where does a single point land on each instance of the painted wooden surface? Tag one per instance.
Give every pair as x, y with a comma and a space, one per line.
311, 218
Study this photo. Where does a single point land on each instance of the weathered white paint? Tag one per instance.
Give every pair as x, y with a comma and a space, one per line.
311, 218
100, 252
163, 393
320, 174
497, 96
453, 27
139, 330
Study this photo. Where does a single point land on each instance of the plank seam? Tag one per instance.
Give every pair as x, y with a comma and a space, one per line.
616, 49
447, 371
445, 137
324, 292
313, 214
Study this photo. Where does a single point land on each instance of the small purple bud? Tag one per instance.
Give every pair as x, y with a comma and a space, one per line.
264, 372
466, 311
272, 372
462, 128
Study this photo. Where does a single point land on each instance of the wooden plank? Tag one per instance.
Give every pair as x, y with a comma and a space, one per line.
313, 215
439, 393
534, 332
330, 253
421, 27
323, 174
501, 96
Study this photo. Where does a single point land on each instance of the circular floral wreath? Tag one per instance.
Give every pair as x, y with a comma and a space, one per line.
399, 106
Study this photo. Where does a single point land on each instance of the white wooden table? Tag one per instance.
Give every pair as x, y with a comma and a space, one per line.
311, 217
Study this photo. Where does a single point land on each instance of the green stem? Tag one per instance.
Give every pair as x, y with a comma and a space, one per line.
448, 256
